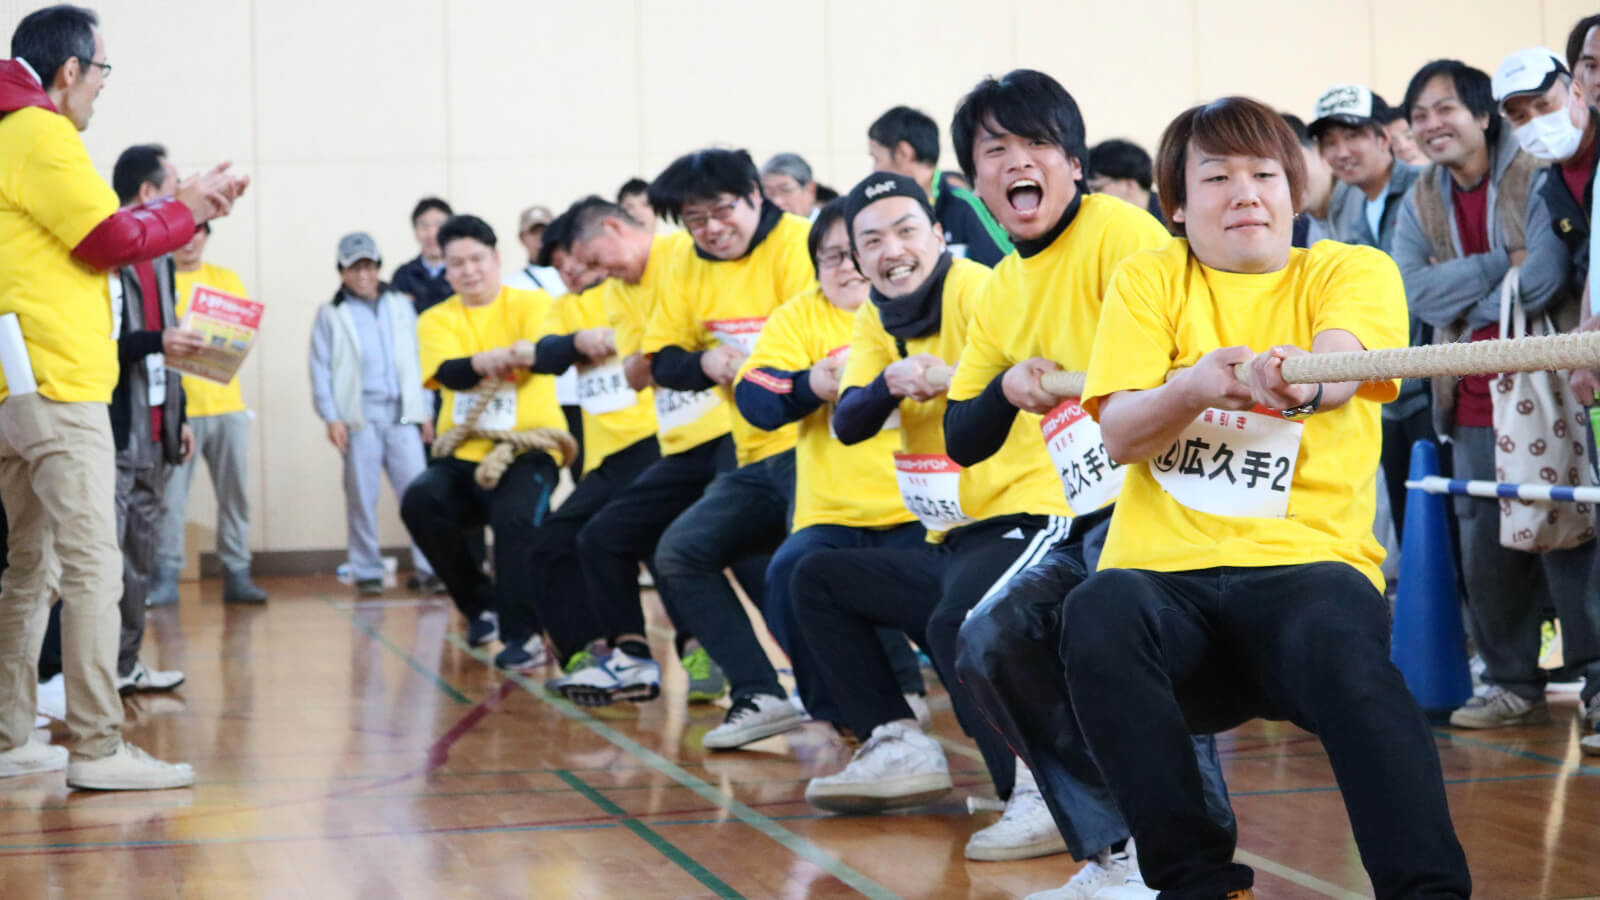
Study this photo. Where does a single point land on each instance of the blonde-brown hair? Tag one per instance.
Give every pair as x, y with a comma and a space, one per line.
1231, 126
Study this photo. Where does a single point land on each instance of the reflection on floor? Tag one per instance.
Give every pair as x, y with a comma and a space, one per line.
358, 749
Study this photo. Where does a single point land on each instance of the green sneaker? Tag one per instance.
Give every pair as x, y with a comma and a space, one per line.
707, 684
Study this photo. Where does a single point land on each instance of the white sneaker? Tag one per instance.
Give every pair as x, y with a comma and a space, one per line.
920, 710
32, 758
128, 769
1591, 714
143, 679
752, 718
1590, 745
898, 767
1104, 872
1025, 831
52, 698
601, 682
1500, 708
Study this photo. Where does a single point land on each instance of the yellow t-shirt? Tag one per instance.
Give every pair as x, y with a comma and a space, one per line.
834, 484
607, 432
452, 330
628, 308
1017, 479
1049, 304
202, 397
726, 301
1164, 311
51, 198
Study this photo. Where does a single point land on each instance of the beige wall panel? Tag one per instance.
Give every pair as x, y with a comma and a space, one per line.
927, 55
1085, 46
1559, 18
205, 113
498, 190
351, 80
1478, 32
727, 72
504, 60
1285, 54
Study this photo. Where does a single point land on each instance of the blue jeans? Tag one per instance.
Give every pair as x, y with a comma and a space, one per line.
743, 513
779, 610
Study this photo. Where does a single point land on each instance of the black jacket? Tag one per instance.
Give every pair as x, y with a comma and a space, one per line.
137, 341
412, 278
1569, 216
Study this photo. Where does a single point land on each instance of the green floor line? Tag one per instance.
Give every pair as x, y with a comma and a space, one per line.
445, 686
663, 846
794, 843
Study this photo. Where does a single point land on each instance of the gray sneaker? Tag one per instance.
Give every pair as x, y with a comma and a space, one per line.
238, 588
707, 683
1500, 708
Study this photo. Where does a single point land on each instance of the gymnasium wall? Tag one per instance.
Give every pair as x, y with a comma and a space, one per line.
344, 112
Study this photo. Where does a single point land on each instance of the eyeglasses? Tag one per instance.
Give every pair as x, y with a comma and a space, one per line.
105, 68
833, 259
722, 212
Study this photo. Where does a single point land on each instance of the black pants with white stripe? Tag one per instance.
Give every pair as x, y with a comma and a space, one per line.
842, 596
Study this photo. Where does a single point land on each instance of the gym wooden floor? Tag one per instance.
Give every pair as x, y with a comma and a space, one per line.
351, 749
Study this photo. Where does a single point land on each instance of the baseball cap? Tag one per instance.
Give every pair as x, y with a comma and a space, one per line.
534, 217
1345, 104
1529, 71
356, 246
880, 186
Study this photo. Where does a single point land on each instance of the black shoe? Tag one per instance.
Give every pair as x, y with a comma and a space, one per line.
483, 629
239, 589
370, 587
426, 585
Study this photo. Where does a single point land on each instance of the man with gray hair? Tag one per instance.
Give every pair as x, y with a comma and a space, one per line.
367, 387
788, 183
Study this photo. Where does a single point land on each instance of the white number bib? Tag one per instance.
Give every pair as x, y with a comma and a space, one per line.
604, 388
155, 372
1232, 464
741, 333
567, 387
1073, 438
501, 414
675, 409
930, 485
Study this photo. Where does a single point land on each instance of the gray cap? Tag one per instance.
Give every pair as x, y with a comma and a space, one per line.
356, 246
790, 164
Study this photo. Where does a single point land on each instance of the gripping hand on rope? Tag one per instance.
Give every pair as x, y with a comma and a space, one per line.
498, 367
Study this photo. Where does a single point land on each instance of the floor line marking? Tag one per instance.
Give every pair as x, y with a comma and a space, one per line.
788, 839
650, 836
1310, 882
1454, 738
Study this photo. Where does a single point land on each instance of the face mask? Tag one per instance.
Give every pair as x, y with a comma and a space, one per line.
1551, 136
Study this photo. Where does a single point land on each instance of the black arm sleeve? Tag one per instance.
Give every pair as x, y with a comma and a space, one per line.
555, 354
976, 429
772, 398
458, 374
863, 410
678, 369
133, 347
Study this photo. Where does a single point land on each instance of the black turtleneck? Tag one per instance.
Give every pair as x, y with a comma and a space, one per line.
976, 429
916, 314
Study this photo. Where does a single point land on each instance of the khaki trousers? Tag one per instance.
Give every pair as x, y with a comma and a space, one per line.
58, 485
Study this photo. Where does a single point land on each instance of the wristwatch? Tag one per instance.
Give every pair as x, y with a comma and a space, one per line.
1295, 413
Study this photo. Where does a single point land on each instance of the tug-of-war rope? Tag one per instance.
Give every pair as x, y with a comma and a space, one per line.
1527, 354
507, 443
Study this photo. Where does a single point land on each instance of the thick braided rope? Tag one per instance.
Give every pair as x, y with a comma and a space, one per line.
507, 444
1529, 354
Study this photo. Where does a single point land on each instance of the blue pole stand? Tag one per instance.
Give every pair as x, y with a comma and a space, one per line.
1429, 643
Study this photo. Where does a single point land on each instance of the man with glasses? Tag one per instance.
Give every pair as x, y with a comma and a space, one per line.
61, 232
787, 181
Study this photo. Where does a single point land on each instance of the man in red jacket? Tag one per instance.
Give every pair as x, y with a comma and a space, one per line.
61, 232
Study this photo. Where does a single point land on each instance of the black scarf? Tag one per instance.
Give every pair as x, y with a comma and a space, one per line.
916, 314
1038, 245
770, 214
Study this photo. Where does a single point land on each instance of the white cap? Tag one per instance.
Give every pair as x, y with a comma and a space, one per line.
1529, 71
1346, 104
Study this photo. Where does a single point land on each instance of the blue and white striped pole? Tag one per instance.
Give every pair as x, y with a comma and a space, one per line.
1548, 493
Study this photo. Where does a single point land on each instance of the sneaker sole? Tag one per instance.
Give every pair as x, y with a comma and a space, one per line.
1539, 716
38, 768
168, 785
883, 796
760, 732
149, 689
641, 693
701, 697
1043, 847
